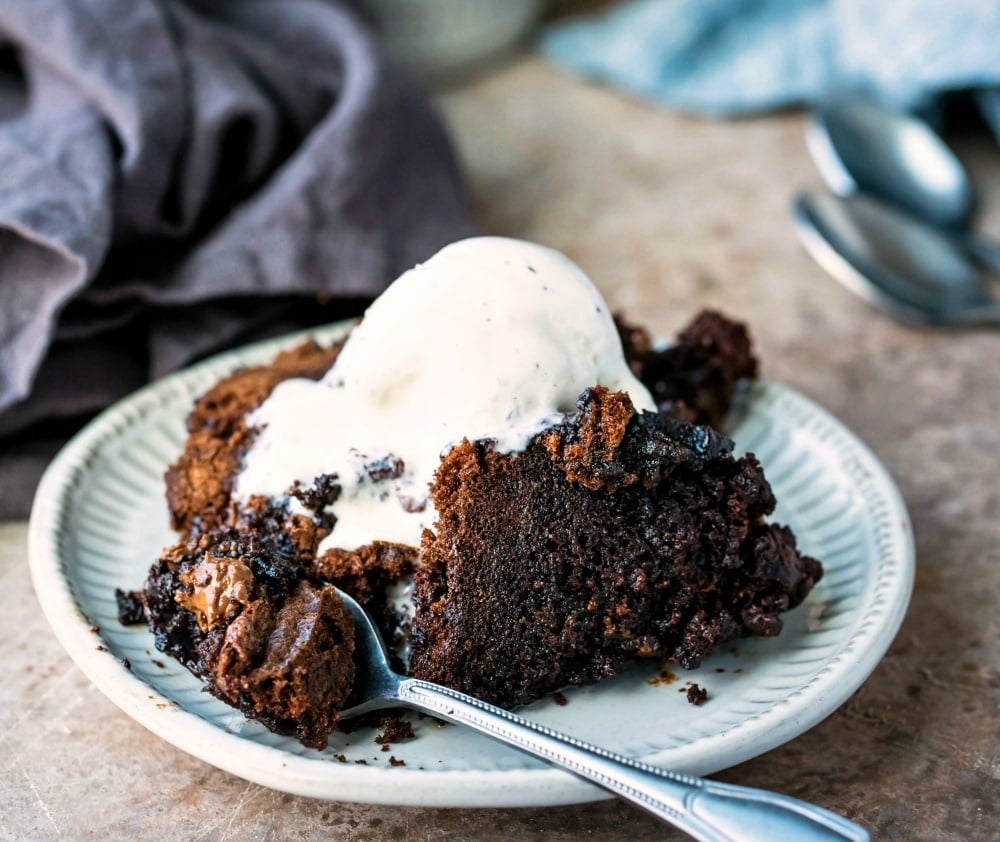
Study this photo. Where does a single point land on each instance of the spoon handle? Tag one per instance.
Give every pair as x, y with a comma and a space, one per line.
709, 811
985, 253
982, 316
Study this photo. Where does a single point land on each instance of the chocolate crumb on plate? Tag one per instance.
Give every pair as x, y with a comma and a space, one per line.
697, 695
394, 762
664, 676
130, 608
394, 730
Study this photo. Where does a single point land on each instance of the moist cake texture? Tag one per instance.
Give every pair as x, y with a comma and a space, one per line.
262, 638
614, 535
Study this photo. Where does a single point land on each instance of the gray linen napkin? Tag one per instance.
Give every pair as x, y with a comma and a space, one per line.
176, 177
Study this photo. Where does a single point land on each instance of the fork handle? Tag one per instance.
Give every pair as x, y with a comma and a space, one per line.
709, 811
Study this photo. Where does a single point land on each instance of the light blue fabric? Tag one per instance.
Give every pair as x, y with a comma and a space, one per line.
736, 56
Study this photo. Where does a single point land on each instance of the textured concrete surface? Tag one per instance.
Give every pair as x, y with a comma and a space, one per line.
667, 213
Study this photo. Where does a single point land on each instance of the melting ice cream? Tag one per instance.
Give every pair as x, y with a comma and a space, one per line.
491, 338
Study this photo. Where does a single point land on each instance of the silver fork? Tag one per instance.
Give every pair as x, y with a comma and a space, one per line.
707, 810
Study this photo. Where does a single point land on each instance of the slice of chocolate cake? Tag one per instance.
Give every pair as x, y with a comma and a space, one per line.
613, 536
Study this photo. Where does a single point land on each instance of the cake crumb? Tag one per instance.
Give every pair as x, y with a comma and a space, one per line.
412, 504
95, 629
159, 663
102, 648
697, 695
560, 699
341, 757
130, 609
325, 491
126, 663
394, 762
362, 761
388, 467
664, 676
394, 730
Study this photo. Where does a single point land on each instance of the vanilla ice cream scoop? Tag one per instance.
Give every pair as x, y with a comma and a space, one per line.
492, 338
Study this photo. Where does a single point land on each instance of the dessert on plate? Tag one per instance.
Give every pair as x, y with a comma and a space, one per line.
521, 488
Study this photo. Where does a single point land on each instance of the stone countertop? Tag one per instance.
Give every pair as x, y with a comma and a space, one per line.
667, 213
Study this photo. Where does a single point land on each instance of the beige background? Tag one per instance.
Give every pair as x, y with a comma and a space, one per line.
668, 214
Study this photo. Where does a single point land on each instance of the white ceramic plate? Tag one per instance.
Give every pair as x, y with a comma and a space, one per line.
100, 519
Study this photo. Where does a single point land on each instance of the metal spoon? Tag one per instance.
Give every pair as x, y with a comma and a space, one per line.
861, 144
913, 271
704, 809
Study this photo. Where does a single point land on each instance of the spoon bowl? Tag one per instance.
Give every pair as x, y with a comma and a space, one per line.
909, 269
705, 809
859, 143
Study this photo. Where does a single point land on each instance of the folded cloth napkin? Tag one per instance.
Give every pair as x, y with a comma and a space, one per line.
729, 57
177, 176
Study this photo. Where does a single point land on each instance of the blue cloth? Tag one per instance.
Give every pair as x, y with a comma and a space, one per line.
728, 57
